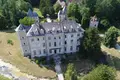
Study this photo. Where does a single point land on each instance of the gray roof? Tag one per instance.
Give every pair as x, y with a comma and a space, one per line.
65, 26
31, 13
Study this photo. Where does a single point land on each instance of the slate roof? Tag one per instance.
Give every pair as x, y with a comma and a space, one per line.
23, 27
65, 26
31, 13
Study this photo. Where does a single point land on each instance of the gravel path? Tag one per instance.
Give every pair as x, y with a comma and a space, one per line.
10, 71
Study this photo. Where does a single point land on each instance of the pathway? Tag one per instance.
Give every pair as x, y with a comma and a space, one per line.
58, 70
10, 71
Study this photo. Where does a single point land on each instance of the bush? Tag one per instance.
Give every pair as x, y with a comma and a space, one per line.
111, 35
27, 21
102, 72
10, 42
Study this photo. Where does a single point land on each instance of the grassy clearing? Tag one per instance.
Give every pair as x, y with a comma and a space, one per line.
38, 12
115, 57
4, 78
12, 54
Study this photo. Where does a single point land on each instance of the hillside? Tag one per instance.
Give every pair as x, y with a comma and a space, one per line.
3, 78
114, 59
12, 54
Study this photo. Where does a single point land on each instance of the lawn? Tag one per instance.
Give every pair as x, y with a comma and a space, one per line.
4, 78
115, 58
12, 54
38, 12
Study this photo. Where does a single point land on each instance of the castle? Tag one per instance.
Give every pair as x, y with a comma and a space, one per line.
49, 38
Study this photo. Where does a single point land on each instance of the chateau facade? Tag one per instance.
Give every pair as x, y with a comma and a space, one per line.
49, 38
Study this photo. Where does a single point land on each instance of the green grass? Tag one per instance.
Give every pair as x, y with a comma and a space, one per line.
4, 78
38, 12
12, 54
114, 60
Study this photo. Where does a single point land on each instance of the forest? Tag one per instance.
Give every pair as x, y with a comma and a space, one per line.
107, 11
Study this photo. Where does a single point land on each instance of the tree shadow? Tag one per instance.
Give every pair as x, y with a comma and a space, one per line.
8, 31
113, 61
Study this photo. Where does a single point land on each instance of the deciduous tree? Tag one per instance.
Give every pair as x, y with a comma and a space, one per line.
111, 37
102, 72
71, 73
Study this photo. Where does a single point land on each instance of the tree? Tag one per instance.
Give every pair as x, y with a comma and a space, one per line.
57, 7
91, 44
46, 8
105, 23
12, 11
71, 73
3, 22
102, 72
111, 37
73, 11
27, 21
84, 11
104, 8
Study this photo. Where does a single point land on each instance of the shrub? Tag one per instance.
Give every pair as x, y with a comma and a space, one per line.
10, 42
27, 21
102, 72
111, 35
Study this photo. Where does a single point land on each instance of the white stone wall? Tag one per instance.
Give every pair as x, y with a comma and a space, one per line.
94, 24
24, 42
40, 43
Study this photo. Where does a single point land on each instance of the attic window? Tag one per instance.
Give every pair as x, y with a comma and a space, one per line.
64, 27
53, 28
71, 26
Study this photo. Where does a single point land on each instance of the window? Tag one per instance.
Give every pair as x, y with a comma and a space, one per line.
22, 37
50, 51
49, 38
55, 44
78, 34
34, 52
59, 37
32, 40
25, 50
54, 37
43, 44
77, 48
71, 48
78, 41
38, 39
55, 51
49, 44
39, 52
59, 43
65, 36
65, 42
44, 51
65, 48
24, 43
43, 38
72, 35
59, 50
71, 41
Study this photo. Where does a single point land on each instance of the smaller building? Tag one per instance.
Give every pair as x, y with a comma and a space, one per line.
94, 22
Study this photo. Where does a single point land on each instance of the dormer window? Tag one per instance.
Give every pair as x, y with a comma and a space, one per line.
71, 27
53, 28
64, 27
41, 31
